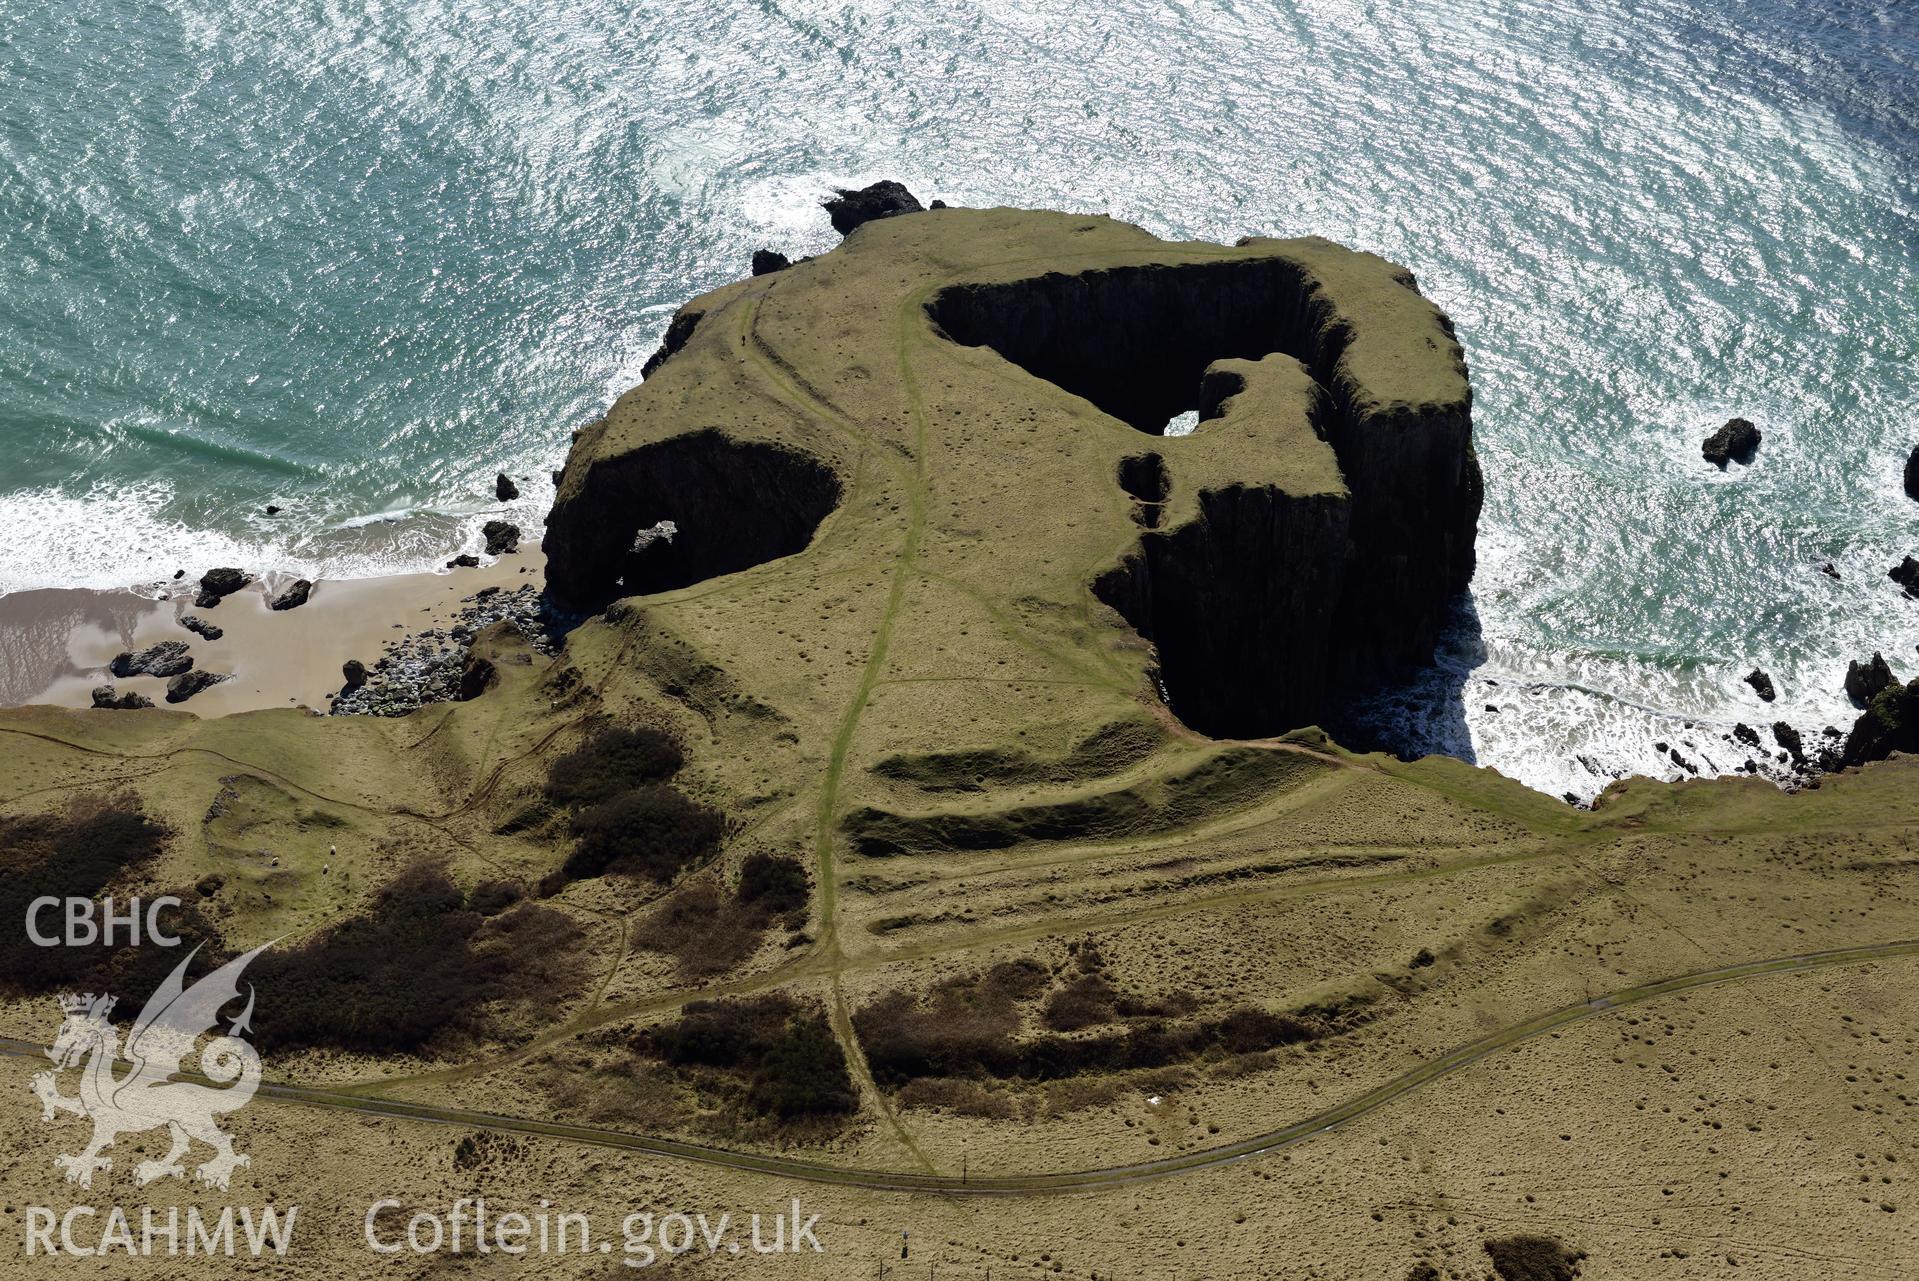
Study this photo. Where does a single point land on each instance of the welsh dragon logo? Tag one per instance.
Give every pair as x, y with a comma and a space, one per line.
146, 1097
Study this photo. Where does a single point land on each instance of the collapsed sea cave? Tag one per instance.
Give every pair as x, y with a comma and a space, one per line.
1268, 609
681, 511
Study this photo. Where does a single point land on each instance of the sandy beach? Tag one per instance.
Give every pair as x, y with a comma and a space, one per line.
55, 646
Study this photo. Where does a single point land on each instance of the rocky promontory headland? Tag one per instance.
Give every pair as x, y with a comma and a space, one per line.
1304, 542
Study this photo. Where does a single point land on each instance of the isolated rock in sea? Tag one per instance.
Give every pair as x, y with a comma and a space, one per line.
106, 697
292, 596
465, 560
168, 658
1737, 441
501, 537
218, 583
504, 489
1889, 724
1746, 734
1912, 473
1830, 570
1865, 680
1762, 685
187, 684
272, 509
766, 262
884, 199
201, 627
1906, 574
355, 672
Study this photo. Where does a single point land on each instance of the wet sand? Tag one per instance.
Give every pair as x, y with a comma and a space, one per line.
55, 645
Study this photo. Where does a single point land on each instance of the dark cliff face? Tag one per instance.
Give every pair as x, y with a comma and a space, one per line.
1239, 605
731, 505
1269, 607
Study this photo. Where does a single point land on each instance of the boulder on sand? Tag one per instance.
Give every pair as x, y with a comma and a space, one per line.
355, 672
884, 199
292, 596
1737, 441
1865, 680
465, 560
106, 697
501, 537
168, 658
201, 627
187, 684
217, 583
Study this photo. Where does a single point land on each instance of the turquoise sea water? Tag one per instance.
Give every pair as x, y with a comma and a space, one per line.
353, 258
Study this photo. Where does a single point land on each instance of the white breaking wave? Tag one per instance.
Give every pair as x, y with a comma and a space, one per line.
113, 537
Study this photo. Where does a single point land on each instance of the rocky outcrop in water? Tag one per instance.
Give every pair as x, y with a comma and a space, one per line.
885, 199
1889, 724
1865, 680
504, 489
1761, 685
1912, 473
168, 658
1737, 441
501, 537
1906, 574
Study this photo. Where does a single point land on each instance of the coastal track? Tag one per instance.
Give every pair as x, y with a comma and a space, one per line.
1077, 1180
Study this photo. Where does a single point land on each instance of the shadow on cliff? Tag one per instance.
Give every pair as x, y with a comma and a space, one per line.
1424, 714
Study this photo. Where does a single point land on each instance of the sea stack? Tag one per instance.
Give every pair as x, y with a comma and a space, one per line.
1737, 441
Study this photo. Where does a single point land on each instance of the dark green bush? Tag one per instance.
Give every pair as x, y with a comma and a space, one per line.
774, 883
421, 962
77, 854
611, 762
787, 1056
650, 831
1534, 1258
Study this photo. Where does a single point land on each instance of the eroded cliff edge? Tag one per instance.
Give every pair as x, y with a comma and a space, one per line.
1305, 541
